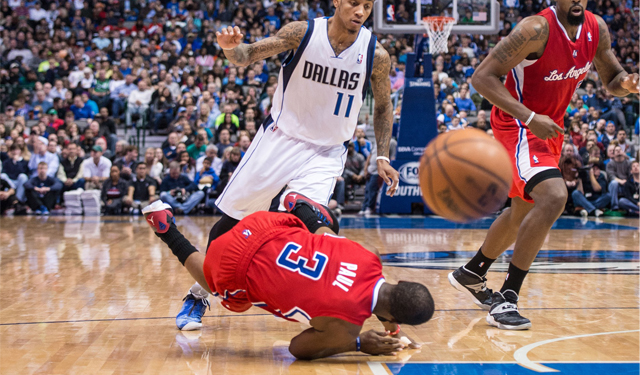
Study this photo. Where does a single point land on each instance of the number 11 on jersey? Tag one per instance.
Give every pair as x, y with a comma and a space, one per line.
336, 112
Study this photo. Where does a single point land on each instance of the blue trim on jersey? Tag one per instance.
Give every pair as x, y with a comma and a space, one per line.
346, 49
290, 63
522, 128
370, 51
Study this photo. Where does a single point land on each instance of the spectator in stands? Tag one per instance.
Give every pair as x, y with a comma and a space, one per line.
100, 89
138, 102
362, 145
352, 175
154, 165
224, 141
456, 124
16, 170
96, 169
41, 154
449, 113
80, 110
464, 103
186, 165
371, 185
609, 133
624, 143
591, 191
228, 167
243, 143
71, 170
163, 108
42, 101
142, 189
179, 191
630, 191
120, 95
170, 151
216, 163
618, 170
42, 190
8, 199
198, 148
206, 175
107, 128
87, 140
127, 164
114, 193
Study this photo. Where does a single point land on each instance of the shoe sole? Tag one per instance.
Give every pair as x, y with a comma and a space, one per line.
459, 287
191, 326
491, 321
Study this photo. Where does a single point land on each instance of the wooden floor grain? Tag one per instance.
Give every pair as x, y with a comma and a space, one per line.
99, 296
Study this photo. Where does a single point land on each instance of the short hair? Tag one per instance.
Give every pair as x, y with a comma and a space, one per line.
174, 165
210, 160
212, 148
43, 163
131, 148
411, 303
14, 147
200, 137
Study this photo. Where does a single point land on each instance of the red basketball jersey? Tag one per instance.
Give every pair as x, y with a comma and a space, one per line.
270, 260
547, 84
299, 276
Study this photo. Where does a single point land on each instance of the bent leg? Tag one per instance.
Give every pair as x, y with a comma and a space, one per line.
504, 230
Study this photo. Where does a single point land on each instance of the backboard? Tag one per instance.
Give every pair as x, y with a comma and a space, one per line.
405, 16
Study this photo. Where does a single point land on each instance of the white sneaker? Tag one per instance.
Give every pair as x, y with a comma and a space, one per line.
599, 213
584, 213
361, 213
367, 211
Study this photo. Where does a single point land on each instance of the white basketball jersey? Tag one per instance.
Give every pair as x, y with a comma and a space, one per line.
319, 94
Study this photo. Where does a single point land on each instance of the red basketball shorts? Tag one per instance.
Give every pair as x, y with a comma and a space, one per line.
534, 160
228, 257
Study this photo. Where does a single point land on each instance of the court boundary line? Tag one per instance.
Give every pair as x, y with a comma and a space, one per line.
522, 358
241, 315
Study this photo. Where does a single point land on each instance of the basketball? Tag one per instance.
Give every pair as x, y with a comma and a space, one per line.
465, 175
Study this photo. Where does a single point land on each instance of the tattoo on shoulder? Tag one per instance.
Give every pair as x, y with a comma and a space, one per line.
605, 38
511, 46
288, 38
293, 33
381, 62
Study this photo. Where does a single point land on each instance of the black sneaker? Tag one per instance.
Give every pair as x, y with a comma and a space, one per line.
504, 312
473, 284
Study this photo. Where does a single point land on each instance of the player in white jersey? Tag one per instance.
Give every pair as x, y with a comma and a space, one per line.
301, 145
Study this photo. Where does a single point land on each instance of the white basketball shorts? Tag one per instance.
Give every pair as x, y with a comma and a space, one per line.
275, 160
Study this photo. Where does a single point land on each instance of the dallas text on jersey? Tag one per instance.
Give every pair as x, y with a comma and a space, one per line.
320, 74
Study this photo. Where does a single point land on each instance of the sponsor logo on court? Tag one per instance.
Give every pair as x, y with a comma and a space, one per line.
409, 173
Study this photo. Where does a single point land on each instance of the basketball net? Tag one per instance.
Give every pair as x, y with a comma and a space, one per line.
438, 30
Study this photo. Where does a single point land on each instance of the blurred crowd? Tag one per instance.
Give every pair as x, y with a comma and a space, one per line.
72, 73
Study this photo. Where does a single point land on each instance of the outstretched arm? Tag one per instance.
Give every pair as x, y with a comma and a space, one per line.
614, 78
287, 38
527, 39
383, 115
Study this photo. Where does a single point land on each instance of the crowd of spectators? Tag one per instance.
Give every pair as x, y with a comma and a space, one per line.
73, 72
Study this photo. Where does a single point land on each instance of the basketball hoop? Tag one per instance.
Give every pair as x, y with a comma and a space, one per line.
438, 29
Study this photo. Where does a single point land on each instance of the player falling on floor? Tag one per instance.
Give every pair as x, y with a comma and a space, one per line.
315, 109
545, 58
273, 261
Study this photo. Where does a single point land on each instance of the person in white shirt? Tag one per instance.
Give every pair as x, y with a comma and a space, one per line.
87, 79
210, 152
96, 169
138, 101
58, 90
41, 154
77, 75
37, 13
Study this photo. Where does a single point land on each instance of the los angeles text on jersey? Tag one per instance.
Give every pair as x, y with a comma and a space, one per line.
330, 76
572, 73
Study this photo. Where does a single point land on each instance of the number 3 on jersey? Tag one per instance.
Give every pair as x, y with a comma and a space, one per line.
336, 112
290, 260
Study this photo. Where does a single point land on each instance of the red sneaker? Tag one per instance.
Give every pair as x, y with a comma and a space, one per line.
293, 200
159, 216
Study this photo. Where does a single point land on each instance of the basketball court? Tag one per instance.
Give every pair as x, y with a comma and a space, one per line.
99, 296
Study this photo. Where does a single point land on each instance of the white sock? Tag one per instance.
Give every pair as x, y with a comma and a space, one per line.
198, 291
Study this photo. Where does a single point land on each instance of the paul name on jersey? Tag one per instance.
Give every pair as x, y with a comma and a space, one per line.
338, 78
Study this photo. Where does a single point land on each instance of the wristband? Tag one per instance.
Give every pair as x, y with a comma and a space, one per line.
395, 332
358, 344
384, 158
530, 118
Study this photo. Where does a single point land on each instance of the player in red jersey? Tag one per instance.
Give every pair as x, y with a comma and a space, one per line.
545, 58
272, 261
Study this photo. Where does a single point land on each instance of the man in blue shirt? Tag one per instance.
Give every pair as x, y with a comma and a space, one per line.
464, 103
16, 170
42, 191
174, 189
80, 110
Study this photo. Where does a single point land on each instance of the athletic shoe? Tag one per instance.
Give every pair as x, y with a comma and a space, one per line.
159, 216
293, 200
44, 210
190, 317
584, 213
504, 312
599, 213
473, 284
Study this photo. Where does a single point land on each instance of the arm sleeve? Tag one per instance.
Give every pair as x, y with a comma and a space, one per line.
164, 186
29, 184
57, 185
61, 175
80, 173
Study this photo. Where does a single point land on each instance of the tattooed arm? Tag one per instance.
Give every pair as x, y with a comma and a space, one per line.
287, 38
527, 40
383, 114
614, 78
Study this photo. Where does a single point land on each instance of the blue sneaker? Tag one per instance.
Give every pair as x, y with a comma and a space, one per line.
190, 317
